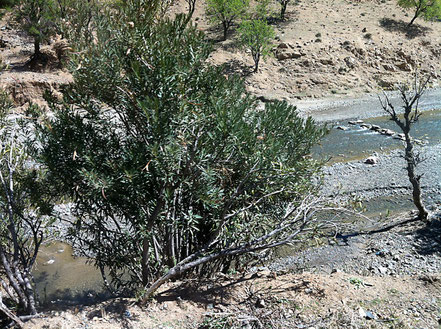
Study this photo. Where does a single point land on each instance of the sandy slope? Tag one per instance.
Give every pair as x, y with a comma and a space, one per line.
346, 48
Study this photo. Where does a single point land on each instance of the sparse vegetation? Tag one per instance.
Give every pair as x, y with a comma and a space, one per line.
410, 97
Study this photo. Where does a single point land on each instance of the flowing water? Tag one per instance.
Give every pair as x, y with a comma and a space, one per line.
357, 142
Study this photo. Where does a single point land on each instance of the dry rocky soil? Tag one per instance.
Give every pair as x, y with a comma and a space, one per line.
327, 49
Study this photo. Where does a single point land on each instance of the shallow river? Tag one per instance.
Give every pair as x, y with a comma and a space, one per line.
357, 142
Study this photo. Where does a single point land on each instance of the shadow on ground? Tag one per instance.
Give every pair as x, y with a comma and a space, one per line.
428, 238
235, 66
116, 309
67, 297
413, 31
202, 291
46, 62
221, 290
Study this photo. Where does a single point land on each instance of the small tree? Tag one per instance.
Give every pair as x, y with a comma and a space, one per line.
37, 18
225, 12
75, 21
410, 98
21, 220
283, 6
190, 10
262, 9
256, 35
428, 9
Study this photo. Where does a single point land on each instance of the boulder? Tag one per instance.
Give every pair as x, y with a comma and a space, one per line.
406, 57
260, 303
285, 51
385, 83
372, 160
351, 62
326, 61
306, 63
357, 122
346, 45
342, 70
282, 55
387, 132
284, 45
360, 51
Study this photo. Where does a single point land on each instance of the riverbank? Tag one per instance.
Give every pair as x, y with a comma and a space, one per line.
386, 178
333, 109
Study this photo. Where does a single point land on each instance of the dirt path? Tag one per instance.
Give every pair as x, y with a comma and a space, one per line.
269, 300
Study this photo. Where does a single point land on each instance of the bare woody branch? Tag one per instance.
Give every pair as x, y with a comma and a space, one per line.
297, 220
410, 97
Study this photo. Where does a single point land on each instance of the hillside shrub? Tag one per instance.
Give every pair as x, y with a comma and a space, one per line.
166, 159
